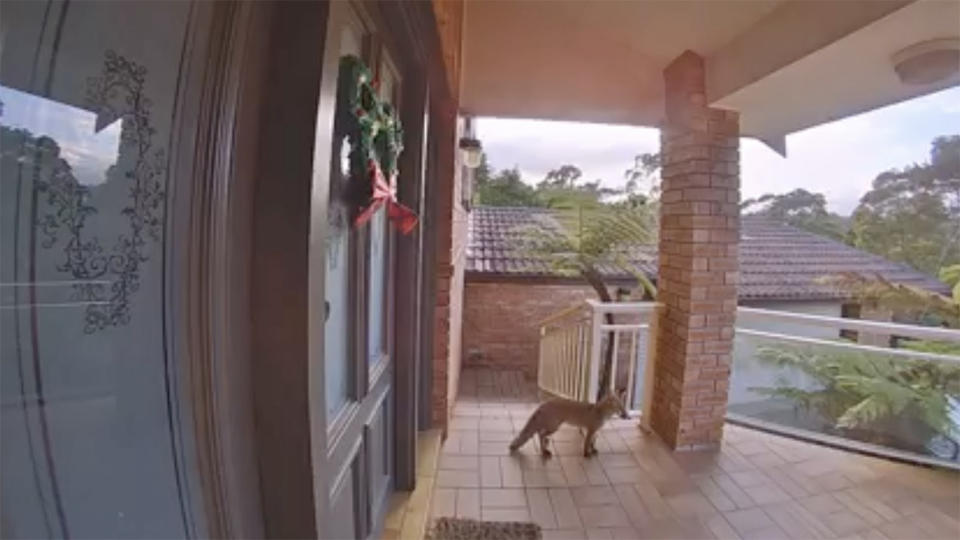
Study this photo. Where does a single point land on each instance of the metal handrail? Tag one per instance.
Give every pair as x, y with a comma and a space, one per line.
562, 314
889, 351
622, 308
628, 326
905, 330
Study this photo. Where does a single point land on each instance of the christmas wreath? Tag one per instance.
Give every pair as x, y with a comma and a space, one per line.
376, 140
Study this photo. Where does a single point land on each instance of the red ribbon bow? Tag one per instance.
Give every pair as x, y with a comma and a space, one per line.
385, 192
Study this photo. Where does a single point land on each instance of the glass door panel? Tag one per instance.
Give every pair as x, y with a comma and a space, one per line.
379, 245
92, 444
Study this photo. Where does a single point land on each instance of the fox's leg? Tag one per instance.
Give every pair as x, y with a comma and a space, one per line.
545, 435
622, 396
544, 444
588, 447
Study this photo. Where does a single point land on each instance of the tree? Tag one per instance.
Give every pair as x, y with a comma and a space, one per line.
483, 173
503, 188
912, 215
561, 182
593, 234
564, 177
799, 208
507, 188
646, 169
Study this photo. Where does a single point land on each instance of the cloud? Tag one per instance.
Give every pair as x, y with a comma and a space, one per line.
839, 159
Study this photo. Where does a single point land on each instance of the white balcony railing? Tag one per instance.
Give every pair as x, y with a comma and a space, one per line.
564, 362
573, 343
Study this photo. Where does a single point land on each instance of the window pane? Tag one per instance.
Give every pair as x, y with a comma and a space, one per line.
92, 445
337, 287
378, 255
338, 373
376, 299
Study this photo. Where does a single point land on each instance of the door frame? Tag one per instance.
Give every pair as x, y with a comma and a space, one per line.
408, 314
343, 456
285, 397
414, 41
208, 275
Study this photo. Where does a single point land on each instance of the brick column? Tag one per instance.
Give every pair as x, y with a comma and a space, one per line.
698, 265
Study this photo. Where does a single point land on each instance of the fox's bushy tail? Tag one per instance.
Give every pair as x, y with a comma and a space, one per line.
529, 429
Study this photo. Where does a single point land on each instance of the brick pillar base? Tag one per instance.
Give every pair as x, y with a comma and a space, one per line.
698, 266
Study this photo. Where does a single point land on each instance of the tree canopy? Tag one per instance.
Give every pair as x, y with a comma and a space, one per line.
502, 188
912, 215
507, 187
563, 177
646, 169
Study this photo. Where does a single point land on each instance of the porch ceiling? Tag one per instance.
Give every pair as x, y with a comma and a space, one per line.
784, 64
848, 76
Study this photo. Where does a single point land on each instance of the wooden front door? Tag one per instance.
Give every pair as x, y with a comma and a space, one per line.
354, 426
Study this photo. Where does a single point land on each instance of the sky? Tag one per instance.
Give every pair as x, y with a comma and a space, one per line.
839, 159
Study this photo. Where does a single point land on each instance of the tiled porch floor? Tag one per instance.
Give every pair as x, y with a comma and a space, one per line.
756, 485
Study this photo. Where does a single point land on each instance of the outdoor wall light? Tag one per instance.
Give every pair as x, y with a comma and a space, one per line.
472, 152
928, 62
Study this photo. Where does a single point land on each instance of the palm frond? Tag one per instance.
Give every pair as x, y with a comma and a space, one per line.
585, 234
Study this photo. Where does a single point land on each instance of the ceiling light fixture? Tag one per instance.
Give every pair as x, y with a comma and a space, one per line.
928, 62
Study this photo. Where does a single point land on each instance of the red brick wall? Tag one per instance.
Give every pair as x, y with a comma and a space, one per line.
450, 259
501, 321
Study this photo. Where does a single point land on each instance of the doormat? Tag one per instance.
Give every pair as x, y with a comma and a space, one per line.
470, 529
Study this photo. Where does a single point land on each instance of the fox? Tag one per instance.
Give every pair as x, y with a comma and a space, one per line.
552, 413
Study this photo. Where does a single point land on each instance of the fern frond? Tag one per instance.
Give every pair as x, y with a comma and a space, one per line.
868, 411
869, 390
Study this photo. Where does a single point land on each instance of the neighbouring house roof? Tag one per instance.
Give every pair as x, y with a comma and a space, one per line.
777, 261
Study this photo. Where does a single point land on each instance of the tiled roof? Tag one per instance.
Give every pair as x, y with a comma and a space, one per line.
777, 261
